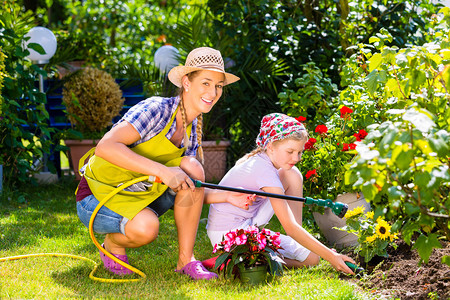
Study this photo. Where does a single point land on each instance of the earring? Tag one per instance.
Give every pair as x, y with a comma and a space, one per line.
187, 90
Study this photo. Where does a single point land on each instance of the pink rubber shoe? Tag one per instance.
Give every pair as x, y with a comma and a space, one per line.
114, 267
197, 271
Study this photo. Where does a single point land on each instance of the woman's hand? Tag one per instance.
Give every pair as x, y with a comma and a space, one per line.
240, 200
177, 179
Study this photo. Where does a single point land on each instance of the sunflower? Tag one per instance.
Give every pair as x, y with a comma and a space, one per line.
393, 236
355, 212
382, 229
372, 238
369, 215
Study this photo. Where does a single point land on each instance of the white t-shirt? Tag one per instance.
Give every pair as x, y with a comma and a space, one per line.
253, 174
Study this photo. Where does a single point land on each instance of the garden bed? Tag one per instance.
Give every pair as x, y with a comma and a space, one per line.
400, 276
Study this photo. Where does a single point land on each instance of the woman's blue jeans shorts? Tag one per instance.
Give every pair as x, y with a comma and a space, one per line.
107, 221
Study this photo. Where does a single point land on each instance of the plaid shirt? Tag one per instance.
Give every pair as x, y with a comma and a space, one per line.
150, 116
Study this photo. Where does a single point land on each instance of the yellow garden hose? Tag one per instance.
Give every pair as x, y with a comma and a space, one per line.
91, 233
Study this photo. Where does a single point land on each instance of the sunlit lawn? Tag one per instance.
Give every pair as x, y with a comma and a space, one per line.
47, 223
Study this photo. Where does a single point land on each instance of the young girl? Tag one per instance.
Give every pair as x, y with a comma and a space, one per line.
158, 136
271, 168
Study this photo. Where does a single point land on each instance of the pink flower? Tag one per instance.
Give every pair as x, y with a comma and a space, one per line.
261, 238
227, 246
252, 229
276, 241
230, 236
241, 240
321, 129
215, 248
265, 231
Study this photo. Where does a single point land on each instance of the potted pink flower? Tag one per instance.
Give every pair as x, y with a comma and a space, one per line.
249, 253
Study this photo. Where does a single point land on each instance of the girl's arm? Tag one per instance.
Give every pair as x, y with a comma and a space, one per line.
240, 200
303, 237
113, 148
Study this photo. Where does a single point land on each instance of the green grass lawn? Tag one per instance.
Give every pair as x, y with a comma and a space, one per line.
46, 222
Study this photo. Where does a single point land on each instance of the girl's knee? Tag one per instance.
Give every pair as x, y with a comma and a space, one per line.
291, 179
193, 168
312, 260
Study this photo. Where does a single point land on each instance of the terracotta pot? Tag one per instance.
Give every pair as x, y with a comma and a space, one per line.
215, 159
253, 275
77, 149
337, 238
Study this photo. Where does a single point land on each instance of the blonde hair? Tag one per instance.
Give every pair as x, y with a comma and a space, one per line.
301, 135
199, 128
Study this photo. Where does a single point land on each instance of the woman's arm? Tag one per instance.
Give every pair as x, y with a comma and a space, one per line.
303, 237
113, 148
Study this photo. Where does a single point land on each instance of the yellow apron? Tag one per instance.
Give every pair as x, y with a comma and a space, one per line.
103, 176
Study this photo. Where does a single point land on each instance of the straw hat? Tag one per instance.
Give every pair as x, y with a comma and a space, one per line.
203, 58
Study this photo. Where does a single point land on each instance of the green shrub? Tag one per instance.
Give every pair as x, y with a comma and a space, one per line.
403, 165
24, 132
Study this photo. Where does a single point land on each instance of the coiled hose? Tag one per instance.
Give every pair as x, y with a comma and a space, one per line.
91, 233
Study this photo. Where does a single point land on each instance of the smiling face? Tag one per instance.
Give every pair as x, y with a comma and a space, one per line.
286, 153
202, 90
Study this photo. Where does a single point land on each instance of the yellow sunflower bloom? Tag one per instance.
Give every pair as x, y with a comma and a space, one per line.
369, 215
382, 229
372, 238
355, 212
393, 236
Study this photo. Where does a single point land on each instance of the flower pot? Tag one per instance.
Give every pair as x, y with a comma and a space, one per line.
215, 159
253, 275
337, 238
77, 149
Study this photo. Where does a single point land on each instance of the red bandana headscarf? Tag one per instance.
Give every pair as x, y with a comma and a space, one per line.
275, 127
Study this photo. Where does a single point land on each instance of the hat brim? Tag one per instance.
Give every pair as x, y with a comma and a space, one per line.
178, 72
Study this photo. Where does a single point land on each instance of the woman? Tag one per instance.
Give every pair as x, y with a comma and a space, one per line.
159, 137
271, 168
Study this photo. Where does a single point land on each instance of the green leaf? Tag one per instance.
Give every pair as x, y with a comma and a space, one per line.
425, 245
371, 81
395, 192
221, 259
36, 47
375, 61
373, 39
439, 142
409, 229
420, 120
446, 260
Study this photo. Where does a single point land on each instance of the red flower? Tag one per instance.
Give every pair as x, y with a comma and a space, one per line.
321, 129
347, 147
310, 173
360, 135
301, 119
309, 145
345, 111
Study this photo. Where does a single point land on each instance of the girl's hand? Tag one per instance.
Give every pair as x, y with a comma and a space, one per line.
177, 179
338, 262
240, 200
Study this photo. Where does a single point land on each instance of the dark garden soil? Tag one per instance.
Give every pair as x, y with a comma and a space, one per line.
400, 276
